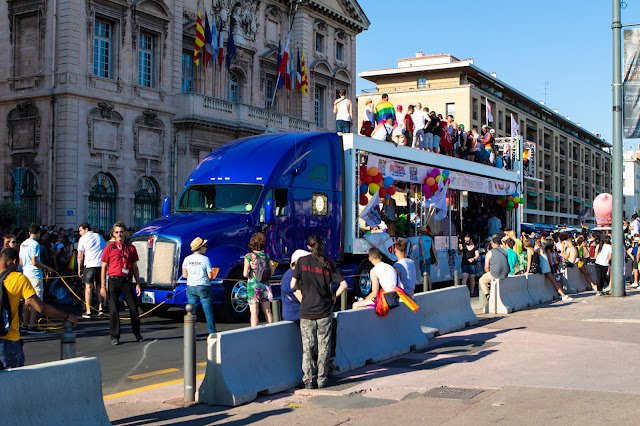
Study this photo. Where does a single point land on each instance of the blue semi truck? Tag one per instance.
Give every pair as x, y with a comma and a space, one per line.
287, 186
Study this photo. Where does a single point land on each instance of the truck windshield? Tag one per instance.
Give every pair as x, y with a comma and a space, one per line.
222, 197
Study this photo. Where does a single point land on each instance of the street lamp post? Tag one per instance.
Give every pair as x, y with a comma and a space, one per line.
618, 255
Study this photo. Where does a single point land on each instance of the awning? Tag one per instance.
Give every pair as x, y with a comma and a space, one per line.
587, 205
532, 194
557, 199
548, 198
598, 192
575, 200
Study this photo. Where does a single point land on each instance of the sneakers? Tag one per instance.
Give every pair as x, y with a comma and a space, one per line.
115, 341
634, 285
138, 337
101, 313
607, 289
34, 330
567, 298
599, 293
86, 315
308, 385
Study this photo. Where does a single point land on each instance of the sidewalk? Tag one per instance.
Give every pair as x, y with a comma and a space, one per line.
559, 363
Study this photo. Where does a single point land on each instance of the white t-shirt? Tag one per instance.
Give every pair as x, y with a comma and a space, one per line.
368, 113
399, 129
602, 258
634, 229
197, 266
343, 110
381, 133
28, 249
92, 245
407, 270
386, 276
419, 120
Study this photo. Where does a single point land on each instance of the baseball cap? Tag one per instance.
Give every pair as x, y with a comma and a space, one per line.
197, 243
298, 254
399, 107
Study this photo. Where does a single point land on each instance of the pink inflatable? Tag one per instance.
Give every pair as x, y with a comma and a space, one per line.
602, 207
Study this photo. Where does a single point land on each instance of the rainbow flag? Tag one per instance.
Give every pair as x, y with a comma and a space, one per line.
73, 261
383, 111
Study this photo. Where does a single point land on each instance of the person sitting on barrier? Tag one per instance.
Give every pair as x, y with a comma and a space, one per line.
290, 304
196, 268
382, 276
258, 270
545, 269
515, 266
571, 255
496, 265
583, 258
17, 286
405, 268
312, 285
470, 255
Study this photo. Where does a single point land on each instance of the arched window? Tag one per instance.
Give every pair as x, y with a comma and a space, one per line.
145, 203
28, 198
233, 94
102, 202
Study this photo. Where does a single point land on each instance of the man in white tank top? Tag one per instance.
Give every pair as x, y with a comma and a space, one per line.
382, 276
343, 110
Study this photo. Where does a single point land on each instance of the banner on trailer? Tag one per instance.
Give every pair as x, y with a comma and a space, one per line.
414, 173
631, 84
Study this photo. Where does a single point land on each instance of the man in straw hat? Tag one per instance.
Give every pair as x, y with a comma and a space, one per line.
196, 268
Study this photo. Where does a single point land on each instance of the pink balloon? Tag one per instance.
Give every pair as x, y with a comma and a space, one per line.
425, 189
602, 207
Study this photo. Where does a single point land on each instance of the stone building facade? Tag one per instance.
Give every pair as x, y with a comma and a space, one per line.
102, 104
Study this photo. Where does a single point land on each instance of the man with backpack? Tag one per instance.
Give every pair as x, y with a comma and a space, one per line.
13, 287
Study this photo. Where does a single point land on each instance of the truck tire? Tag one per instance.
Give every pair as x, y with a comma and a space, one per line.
235, 305
362, 280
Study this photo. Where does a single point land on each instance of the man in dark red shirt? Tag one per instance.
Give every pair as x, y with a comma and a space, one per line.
119, 259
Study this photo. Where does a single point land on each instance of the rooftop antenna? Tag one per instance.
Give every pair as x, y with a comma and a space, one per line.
546, 90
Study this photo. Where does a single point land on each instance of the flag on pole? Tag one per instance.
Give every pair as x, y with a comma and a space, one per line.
279, 79
208, 41
231, 48
220, 46
282, 68
371, 213
199, 39
298, 74
304, 85
489, 115
515, 129
287, 76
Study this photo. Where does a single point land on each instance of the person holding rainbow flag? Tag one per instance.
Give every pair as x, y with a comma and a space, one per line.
384, 110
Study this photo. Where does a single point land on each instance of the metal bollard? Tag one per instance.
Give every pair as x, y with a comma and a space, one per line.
67, 341
425, 282
275, 310
343, 301
456, 278
190, 354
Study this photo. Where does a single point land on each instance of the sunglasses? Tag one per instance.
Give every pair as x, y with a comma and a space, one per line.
118, 232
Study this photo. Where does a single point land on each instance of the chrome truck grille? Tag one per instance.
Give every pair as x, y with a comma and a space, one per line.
158, 259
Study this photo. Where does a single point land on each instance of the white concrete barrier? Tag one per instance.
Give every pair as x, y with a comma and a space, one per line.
573, 281
65, 392
540, 289
445, 310
243, 363
508, 295
362, 336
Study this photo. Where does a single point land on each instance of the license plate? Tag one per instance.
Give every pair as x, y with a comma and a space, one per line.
148, 297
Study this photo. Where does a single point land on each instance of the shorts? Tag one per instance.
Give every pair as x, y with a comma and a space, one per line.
91, 275
258, 292
634, 264
11, 354
343, 126
436, 143
426, 268
38, 286
428, 140
469, 269
418, 139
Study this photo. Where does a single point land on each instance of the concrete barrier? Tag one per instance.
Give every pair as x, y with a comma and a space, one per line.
243, 363
362, 336
62, 392
573, 281
445, 310
540, 289
508, 295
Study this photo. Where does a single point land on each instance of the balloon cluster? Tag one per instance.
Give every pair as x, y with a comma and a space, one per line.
510, 202
435, 180
372, 181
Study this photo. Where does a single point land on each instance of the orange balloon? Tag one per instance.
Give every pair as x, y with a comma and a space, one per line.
373, 171
430, 181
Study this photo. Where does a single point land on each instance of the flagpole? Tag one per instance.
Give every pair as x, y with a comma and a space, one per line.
292, 16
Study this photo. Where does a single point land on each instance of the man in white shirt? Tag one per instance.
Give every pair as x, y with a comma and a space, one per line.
419, 122
196, 268
398, 130
90, 247
634, 228
383, 276
343, 110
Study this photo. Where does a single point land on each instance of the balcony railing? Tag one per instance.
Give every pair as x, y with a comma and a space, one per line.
562, 172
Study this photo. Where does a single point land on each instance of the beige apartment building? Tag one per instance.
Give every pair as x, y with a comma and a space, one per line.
101, 102
572, 165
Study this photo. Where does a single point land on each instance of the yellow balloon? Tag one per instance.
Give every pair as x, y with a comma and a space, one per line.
438, 178
373, 171
373, 188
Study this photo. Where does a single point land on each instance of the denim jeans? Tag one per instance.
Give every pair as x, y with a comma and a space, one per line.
201, 295
343, 126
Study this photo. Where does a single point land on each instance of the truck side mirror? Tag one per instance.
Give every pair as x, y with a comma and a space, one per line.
269, 212
166, 206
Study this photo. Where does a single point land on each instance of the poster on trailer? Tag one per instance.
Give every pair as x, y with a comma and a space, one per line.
631, 83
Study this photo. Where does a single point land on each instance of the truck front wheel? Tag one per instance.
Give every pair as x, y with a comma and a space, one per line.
236, 304
362, 280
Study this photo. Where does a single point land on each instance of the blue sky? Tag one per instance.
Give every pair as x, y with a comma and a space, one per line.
565, 43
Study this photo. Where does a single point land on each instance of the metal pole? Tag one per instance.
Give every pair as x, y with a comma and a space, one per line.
67, 341
190, 354
425, 282
617, 257
456, 278
275, 310
343, 301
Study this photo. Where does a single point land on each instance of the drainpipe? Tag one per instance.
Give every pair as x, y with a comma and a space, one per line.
52, 111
